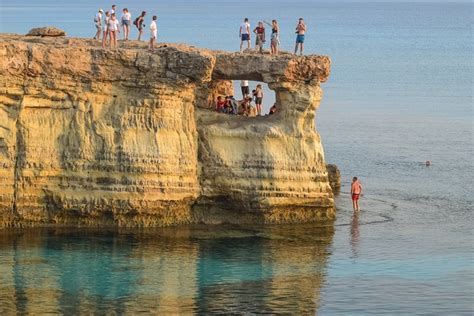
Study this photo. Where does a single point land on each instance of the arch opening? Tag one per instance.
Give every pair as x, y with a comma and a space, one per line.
240, 97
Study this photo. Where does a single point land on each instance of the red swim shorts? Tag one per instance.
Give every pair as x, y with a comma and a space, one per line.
355, 197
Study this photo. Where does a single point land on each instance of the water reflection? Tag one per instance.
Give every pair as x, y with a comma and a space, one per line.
355, 234
186, 270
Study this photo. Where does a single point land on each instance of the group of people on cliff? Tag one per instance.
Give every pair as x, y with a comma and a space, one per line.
260, 36
108, 27
250, 105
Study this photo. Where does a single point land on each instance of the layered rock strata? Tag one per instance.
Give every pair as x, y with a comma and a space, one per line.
125, 137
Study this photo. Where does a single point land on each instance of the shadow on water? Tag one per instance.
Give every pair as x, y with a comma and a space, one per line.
199, 269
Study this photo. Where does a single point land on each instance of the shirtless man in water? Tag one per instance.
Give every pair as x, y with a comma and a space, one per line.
356, 191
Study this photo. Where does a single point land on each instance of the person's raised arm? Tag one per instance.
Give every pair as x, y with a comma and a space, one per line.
267, 23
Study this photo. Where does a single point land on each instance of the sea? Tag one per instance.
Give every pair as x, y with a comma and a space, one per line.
400, 93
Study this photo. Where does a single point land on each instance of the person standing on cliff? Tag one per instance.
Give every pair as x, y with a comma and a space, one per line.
259, 37
356, 192
139, 24
98, 24
244, 34
300, 31
126, 23
114, 28
274, 39
106, 29
153, 33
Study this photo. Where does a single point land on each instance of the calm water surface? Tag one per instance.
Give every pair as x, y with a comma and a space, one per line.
400, 93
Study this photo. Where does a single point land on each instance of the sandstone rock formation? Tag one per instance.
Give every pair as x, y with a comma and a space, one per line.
334, 176
124, 137
48, 31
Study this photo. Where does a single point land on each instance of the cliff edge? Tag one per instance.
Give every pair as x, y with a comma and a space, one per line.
125, 137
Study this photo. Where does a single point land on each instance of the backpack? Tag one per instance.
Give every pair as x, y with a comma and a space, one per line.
135, 22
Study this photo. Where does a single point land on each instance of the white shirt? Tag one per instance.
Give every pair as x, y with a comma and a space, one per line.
243, 28
244, 83
98, 18
126, 16
113, 25
111, 11
153, 26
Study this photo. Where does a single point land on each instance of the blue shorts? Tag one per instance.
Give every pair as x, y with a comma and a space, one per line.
300, 39
245, 37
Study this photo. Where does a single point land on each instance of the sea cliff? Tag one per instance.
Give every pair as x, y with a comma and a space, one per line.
90, 136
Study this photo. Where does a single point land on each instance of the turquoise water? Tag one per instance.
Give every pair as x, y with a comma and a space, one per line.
400, 93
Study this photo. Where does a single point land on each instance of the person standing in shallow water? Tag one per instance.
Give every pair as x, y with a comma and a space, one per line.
356, 191
244, 34
300, 31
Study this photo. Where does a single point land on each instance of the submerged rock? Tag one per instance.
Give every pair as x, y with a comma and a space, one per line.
125, 137
48, 31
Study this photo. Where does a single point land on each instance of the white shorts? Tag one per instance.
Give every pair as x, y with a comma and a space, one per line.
154, 35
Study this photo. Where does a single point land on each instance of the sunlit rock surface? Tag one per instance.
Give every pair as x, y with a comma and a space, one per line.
125, 137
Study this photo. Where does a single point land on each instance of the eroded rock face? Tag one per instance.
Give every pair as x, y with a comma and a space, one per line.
334, 176
99, 137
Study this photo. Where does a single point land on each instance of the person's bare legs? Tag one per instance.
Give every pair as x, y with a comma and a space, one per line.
354, 205
259, 109
296, 48
111, 39
97, 34
116, 39
248, 44
140, 32
241, 45
104, 39
127, 32
151, 45
301, 49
